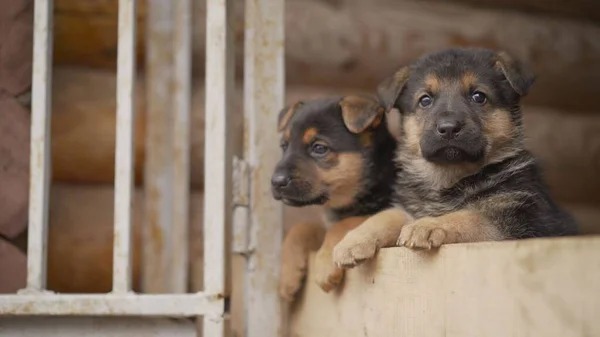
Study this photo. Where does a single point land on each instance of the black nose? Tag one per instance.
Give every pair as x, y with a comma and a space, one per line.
449, 129
280, 180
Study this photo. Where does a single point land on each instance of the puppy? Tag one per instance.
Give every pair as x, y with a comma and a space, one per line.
337, 153
464, 172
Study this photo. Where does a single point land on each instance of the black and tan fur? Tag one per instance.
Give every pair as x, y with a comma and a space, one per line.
464, 173
337, 153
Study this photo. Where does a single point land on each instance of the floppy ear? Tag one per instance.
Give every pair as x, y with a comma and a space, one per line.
394, 124
286, 114
360, 112
519, 75
390, 88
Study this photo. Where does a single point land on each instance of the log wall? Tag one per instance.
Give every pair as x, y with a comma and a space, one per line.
83, 131
357, 43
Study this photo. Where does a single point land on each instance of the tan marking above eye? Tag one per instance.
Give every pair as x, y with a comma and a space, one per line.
285, 116
287, 134
432, 82
468, 81
309, 135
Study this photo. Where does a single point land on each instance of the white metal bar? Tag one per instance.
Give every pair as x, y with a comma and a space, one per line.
218, 155
181, 143
108, 305
264, 92
96, 327
241, 193
157, 235
124, 155
40, 145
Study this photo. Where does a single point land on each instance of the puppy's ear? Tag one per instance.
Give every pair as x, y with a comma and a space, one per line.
518, 74
390, 88
360, 112
286, 114
394, 124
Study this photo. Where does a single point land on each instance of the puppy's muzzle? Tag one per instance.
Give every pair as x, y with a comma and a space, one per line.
450, 140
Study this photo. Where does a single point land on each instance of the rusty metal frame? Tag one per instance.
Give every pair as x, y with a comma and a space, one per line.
158, 243
40, 145
218, 155
35, 300
263, 98
182, 92
124, 152
169, 73
166, 305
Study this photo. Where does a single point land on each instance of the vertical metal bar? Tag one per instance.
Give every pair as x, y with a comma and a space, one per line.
218, 155
124, 155
157, 234
263, 90
40, 145
181, 133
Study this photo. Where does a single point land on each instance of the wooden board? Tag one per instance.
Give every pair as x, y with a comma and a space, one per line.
533, 288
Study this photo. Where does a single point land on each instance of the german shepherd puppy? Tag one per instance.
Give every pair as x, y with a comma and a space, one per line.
464, 173
338, 153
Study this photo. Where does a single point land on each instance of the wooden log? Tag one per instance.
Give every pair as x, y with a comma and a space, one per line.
14, 165
16, 42
587, 216
358, 43
85, 32
83, 125
539, 287
16, 39
13, 265
83, 130
568, 146
81, 237
575, 9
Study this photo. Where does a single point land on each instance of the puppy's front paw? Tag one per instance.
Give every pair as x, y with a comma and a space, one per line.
354, 249
425, 233
327, 275
291, 277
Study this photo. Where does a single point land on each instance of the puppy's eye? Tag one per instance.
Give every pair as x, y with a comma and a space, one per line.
283, 146
479, 97
319, 150
425, 101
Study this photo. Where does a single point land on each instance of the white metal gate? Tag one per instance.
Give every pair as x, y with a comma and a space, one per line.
263, 84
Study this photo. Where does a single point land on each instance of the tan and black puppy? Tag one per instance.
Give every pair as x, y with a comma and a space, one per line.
465, 174
338, 153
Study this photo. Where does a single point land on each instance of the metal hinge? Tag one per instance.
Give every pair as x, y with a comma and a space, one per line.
241, 202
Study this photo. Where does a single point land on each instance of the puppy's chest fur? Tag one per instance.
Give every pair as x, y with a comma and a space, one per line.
510, 193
